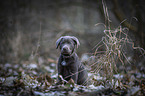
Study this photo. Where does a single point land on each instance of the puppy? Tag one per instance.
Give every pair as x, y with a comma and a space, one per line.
69, 66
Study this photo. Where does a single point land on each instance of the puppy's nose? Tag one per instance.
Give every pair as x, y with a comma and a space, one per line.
65, 48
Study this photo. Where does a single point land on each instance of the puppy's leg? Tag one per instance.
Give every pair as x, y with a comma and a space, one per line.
74, 73
59, 68
82, 76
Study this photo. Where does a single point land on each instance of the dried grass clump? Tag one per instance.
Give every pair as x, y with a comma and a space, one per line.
105, 63
114, 42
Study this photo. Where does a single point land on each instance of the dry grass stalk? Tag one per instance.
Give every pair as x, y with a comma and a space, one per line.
114, 43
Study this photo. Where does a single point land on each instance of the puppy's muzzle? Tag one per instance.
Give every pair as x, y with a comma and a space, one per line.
65, 50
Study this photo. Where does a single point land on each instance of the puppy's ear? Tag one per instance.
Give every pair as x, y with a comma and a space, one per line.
58, 42
76, 41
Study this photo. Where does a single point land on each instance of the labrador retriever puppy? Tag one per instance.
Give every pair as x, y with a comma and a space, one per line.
69, 66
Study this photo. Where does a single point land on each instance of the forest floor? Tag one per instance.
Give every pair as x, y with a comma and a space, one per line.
39, 79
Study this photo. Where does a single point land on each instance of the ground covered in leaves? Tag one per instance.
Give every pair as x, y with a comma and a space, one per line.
39, 79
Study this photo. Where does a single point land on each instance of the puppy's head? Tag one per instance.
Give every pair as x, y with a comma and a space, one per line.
67, 44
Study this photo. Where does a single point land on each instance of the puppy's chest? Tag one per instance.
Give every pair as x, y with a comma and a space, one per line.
68, 66
66, 71
67, 61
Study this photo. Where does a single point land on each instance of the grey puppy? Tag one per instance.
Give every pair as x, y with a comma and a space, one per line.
69, 66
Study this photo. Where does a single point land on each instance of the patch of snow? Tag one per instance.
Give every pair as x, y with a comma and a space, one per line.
56, 93
96, 87
53, 64
49, 69
98, 77
118, 76
90, 74
32, 66
8, 65
15, 73
16, 66
75, 89
138, 75
34, 72
84, 58
9, 81
54, 76
134, 90
2, 79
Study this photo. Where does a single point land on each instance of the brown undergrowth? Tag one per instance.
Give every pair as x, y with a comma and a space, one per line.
113, 43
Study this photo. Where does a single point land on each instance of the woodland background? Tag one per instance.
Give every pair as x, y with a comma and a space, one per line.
27, 24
